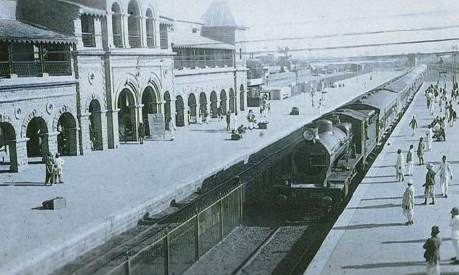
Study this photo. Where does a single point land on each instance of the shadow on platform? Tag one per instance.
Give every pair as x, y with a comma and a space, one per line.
379, 182
380, 206
367, 226
385, 265
391, 198
24, 184
413, 241
383, 176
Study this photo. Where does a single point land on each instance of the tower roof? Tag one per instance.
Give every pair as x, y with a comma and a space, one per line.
219, 15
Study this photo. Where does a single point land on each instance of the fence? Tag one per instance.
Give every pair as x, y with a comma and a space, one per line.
179, 248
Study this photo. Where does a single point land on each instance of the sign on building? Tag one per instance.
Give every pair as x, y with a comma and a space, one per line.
157, 127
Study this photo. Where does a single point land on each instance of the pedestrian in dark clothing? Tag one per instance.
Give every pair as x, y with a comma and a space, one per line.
219, 113
228, 121
432, 252
141, 132
50, 170
413, 125
420, 151
429, 185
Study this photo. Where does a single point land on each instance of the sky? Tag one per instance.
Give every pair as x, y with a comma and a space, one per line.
274, 19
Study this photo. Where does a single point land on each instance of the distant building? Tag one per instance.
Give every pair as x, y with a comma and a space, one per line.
208, 71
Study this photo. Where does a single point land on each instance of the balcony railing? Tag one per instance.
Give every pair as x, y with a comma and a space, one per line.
58, 68
4, 69
117, 40
27, 68
89, 39
193, 62
134, 40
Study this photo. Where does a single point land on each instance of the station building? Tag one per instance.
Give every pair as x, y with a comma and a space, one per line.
38, 92
79, 76
124, 63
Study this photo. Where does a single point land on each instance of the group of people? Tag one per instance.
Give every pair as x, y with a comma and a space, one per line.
54, 169
442, 172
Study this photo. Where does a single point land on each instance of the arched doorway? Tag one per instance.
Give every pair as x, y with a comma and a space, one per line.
242, 98
167, 109
37, 133
126, 116
8, 154
213, 104
67, 137
232, 99
95, 125
202, 103
223, 101
180, 112
150, 104
192, 106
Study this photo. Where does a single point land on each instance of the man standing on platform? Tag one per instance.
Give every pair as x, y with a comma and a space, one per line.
420, 151
141, 132
400, 166
409, 161
408, 203
454, 224
228, 121
446, 176
413, 125
429, 137
432, 253
429, 184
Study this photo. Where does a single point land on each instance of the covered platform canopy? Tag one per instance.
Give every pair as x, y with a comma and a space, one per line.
16, 31
196, 41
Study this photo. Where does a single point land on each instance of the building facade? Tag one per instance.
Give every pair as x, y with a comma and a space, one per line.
124, 64
38, 93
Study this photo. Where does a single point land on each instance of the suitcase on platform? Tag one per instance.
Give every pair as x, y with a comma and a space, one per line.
56, 203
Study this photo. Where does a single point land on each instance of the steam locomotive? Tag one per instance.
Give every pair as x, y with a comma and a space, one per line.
343, 143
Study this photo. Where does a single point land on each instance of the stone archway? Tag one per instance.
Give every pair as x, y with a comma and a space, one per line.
232, 99
192, 105
151, 105
95, 125
67, 138
202, 103
213, 104
180, 109
8, 153
223, 101
37, 134
127, 122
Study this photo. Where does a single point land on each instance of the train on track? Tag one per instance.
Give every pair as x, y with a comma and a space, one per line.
343, 143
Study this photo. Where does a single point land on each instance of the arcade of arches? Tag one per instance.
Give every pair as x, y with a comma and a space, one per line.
151, 105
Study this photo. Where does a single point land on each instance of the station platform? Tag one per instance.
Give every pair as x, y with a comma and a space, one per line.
108, 191
370, 236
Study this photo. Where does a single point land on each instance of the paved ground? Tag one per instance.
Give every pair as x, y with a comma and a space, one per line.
370, 236
103, 188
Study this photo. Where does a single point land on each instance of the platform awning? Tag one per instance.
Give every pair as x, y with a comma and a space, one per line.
15, 31
196, 41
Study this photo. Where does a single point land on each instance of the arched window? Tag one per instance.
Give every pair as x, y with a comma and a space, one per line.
134, 25
116, 26
151, 25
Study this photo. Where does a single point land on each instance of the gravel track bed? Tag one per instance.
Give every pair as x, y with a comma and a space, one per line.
273, 253
226, 256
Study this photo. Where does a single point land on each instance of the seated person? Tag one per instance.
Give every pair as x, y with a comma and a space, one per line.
241, 129
439, 134
235, 135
